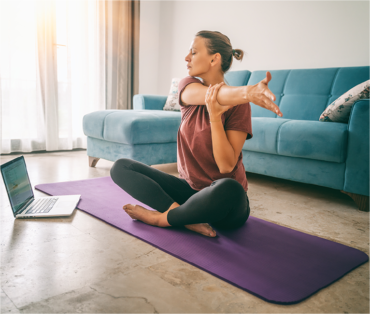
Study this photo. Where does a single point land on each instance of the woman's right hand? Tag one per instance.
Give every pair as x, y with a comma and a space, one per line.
261, 95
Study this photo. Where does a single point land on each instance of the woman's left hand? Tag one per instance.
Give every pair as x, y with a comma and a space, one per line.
215, 110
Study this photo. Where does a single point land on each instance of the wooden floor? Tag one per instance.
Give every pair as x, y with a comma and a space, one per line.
82, 265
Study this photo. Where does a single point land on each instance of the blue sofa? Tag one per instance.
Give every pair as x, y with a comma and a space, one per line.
296, 147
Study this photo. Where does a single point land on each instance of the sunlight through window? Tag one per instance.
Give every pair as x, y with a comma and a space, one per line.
44, 42
17, 69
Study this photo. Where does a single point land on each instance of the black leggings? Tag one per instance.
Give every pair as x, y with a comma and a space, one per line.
224, 204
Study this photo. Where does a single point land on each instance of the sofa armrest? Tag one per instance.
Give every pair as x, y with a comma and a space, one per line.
149, 102
356, 179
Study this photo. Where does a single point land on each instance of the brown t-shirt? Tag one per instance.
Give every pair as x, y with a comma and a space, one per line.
195, 160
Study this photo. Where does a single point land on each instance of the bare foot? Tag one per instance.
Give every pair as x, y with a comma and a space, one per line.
138, 212
153, 218
202, 228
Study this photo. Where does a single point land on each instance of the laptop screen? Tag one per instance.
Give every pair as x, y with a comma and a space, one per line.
16, 182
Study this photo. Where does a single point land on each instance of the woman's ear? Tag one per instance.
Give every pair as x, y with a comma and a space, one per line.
216, 57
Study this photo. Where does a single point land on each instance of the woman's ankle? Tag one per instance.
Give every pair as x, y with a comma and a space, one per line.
163, 222
174, 205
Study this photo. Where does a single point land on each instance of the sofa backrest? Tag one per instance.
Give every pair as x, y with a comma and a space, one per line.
302, 94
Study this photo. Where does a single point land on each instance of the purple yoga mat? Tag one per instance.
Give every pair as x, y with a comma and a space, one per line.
275, 263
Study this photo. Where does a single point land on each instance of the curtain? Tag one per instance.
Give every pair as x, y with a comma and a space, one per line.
56, 66
122, 53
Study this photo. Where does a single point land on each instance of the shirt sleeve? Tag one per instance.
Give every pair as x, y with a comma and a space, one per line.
239, 118
184, 82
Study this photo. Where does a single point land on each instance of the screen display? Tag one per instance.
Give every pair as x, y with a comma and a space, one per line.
17, 183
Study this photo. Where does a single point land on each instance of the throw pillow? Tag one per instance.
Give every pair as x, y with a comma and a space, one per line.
172, 102
339, 109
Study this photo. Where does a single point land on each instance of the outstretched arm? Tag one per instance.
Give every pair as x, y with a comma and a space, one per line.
259, 94
195, 94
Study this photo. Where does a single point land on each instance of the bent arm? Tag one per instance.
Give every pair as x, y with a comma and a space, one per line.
223, 151
195, 94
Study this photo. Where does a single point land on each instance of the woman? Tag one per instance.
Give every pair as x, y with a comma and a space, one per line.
215, 122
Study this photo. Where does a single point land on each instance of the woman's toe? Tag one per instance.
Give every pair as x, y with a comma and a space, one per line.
212, 232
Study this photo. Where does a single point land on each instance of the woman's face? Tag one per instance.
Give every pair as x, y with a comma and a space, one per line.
198, 60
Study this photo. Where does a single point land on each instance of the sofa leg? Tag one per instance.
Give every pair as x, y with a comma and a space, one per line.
362, 201
93, 161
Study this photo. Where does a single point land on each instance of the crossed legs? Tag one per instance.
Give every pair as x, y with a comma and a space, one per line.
224, 203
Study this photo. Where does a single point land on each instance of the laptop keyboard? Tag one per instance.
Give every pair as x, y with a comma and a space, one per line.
41, 206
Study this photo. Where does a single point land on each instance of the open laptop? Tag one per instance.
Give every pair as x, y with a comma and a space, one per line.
22, 200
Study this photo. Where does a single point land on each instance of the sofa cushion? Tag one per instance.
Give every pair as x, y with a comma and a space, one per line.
298, 138
313, 140
339, 109
303, 94
142, 126
93, 123
172, 102
265, 131
237, 78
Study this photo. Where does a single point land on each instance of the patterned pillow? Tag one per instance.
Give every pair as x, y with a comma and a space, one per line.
339, 109
172, 102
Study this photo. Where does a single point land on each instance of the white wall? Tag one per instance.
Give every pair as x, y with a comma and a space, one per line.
273, 35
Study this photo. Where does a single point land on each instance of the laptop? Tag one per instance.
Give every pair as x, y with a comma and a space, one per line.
22, 200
